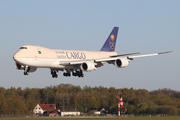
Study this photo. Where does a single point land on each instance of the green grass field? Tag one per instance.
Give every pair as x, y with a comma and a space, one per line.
113, 118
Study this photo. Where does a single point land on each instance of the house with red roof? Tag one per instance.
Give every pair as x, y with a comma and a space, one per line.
51, 111
45, 108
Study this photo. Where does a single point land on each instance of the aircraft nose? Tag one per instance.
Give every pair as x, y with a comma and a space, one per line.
15, 56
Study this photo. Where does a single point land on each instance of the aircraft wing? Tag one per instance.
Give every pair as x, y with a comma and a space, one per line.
129, 57
146, 55
110, 60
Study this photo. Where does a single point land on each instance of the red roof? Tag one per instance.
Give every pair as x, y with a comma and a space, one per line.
54, 112
48, 106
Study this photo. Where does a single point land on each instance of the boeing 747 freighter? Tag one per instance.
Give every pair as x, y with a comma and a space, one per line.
73, 62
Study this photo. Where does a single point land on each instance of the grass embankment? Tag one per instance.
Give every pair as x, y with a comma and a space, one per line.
104, 118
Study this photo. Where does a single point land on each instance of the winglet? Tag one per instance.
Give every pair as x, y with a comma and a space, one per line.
110, 43
165, 52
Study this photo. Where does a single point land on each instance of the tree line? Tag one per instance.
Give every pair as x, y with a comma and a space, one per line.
67, 97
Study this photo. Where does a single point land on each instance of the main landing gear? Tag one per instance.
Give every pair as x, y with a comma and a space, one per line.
78, 73
67, 74
75, 73
54, 73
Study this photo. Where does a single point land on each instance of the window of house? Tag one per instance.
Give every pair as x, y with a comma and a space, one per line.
50, 106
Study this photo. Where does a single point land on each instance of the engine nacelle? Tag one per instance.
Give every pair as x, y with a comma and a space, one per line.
88, 66
18, 66
121, 63
31, 69
21, 67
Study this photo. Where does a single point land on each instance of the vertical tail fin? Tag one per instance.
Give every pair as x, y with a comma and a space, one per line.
110, 43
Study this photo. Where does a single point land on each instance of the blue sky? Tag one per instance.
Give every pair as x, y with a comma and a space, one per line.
146, 26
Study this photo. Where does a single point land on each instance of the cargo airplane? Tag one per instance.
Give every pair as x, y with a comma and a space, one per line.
30, 57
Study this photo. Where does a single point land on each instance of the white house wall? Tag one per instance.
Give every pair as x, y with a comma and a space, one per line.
38, 109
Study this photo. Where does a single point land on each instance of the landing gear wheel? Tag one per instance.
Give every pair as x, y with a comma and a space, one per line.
54, 74
25, 73
67, 74
78, 73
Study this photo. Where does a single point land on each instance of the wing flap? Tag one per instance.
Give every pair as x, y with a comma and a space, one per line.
106, 59
125, 54
77, 62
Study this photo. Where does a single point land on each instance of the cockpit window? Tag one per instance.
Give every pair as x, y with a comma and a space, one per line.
23, 47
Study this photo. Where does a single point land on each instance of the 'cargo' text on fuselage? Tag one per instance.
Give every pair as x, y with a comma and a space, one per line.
70, 55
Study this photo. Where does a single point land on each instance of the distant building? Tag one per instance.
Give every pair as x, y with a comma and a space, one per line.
97, 112
54, 113
70, 113
44, 108
100, 111
51, 111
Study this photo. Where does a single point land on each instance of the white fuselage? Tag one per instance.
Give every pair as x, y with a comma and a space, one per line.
41, 57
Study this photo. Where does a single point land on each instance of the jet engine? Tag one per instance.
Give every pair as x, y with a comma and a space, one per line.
18, 66
31, 69
87, 66
21, 67
121, 63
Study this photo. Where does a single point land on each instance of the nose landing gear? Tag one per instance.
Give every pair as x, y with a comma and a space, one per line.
26, 69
